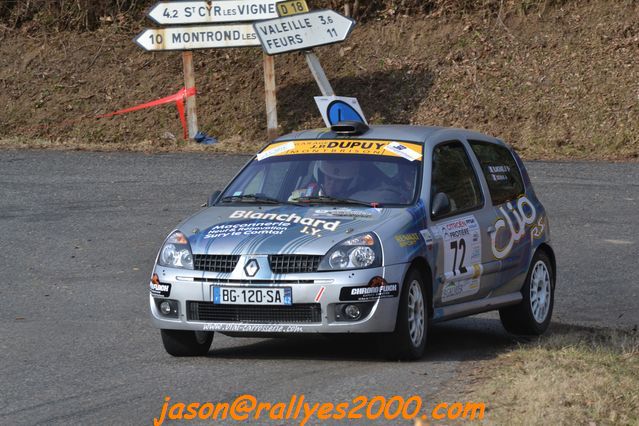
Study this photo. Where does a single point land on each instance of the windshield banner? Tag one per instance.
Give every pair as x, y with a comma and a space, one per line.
407, 150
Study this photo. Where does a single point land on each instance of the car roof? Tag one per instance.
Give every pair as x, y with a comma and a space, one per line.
428, 135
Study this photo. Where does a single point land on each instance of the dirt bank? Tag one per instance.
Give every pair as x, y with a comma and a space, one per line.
559, 82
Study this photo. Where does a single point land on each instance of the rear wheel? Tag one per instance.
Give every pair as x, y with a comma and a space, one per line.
408, 341
186, 343
532, 315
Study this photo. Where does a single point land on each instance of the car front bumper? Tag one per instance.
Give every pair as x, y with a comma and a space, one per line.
319, 291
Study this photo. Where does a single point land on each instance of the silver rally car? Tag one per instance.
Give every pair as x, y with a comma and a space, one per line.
357, 229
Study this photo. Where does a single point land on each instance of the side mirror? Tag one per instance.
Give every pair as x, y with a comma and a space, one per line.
213, 198
440, 205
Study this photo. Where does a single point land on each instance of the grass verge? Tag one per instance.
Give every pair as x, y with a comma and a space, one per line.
571, 376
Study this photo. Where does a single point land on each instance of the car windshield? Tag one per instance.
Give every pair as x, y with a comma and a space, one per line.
328, 178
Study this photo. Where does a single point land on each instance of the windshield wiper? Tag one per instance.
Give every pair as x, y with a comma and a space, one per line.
251, 198
333, 200
255, 198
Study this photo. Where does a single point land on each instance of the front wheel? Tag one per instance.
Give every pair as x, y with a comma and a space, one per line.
532, 315
186, 343
408, 341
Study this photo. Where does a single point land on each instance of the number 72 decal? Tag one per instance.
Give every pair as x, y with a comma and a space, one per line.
462, 249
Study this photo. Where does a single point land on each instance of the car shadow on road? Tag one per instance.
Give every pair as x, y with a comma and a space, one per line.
385, 96
458, 340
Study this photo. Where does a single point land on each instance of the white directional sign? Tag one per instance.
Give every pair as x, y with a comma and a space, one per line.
198, 37
303, 31
202, 12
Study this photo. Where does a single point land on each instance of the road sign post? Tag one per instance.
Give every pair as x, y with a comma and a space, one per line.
319, 74
270, 96
189, 81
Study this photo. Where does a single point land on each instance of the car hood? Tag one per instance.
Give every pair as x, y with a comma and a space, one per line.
282, 229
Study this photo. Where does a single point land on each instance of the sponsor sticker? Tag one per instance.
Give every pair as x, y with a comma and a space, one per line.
403, 151
246, 229
427, 236
407, 240
270, 224
342, 212
252, 328
377, 288
279, 149
160, 289
538, 230
462, 249
359, 294
511, 225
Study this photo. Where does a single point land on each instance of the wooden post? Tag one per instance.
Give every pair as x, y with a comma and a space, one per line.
189, 81
318, 73
271, 99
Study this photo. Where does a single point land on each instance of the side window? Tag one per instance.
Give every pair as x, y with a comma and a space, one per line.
454, 175
501, 171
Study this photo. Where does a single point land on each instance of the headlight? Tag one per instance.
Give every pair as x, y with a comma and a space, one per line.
176, 252
358, 252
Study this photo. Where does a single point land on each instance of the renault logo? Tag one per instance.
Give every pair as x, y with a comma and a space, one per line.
251, 268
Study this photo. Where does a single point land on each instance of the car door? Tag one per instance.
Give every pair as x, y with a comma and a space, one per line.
515, 214
464, 267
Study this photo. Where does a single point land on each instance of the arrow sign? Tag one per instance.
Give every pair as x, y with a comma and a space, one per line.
197, 37
202, 12
303, 31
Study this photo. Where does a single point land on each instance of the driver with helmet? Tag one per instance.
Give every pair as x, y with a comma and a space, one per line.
332, 178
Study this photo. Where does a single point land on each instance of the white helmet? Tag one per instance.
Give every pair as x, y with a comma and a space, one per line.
339, 169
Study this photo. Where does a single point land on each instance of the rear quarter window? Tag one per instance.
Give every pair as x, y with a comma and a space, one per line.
500, 170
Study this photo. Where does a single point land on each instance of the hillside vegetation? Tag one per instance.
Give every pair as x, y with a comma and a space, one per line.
557, 79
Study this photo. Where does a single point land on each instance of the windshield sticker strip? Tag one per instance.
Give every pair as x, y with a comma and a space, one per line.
410, 151
275, 149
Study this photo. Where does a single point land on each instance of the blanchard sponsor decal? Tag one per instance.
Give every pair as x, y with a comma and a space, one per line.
244, 229
160, 289
368, 293
328, 225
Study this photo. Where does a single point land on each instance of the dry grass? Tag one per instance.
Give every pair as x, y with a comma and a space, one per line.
570, 377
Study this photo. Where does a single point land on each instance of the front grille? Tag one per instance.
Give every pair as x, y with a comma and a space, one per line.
293, 263
215, 262
294, 314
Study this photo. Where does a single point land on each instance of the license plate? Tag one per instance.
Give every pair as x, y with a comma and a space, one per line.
252, 296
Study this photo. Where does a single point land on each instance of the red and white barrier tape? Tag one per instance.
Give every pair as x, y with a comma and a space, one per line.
179, 98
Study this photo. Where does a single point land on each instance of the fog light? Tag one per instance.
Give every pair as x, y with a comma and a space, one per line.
352, 311
165, 308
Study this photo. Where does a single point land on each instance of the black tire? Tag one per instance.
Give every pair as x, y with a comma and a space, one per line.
399, 345
520, 319
186, 343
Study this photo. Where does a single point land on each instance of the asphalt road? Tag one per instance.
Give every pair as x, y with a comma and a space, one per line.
80, 232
